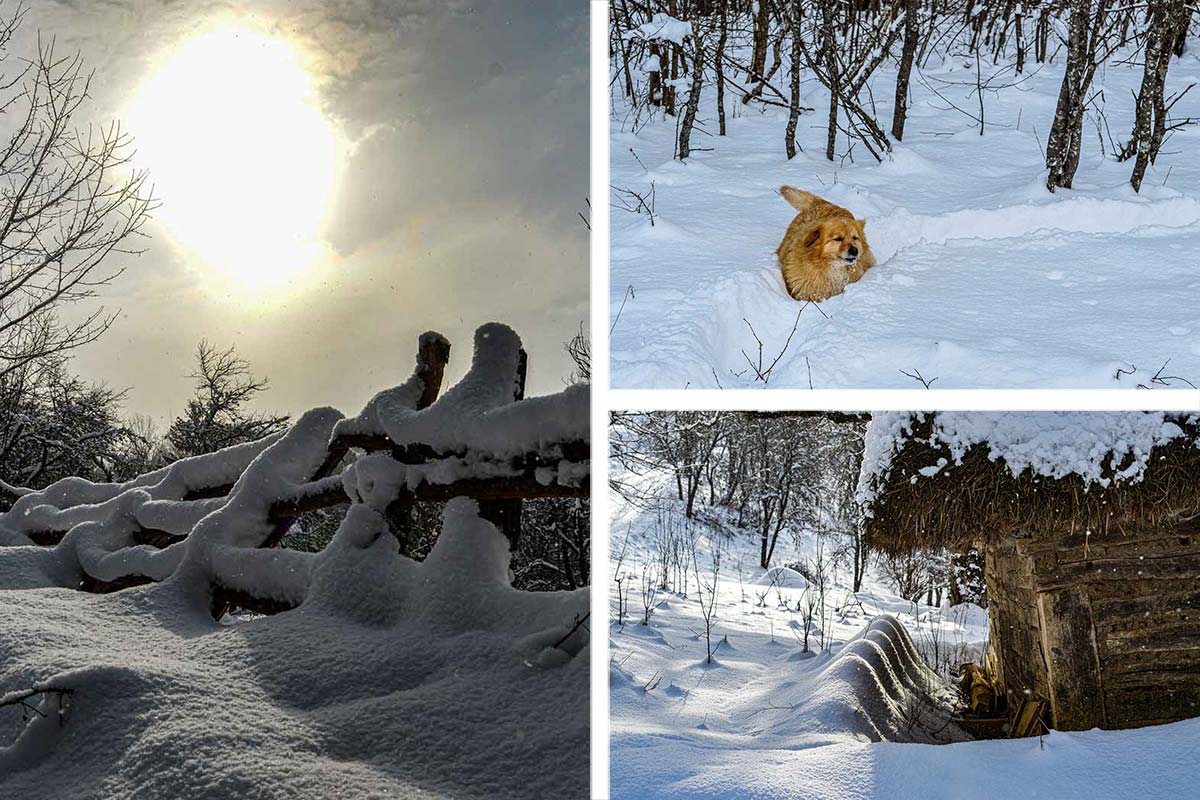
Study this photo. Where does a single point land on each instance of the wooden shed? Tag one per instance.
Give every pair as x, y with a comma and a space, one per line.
1092, 550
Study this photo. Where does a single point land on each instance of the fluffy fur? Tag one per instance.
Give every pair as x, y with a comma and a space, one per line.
824, 250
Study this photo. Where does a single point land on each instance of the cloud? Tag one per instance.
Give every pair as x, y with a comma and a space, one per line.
468, 124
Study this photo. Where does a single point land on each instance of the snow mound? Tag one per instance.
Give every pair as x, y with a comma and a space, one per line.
876, 687
479, 413
392, 679
783, 577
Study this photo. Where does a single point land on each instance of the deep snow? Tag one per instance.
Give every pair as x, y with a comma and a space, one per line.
769, 720
393, 679
984, 280
388, 678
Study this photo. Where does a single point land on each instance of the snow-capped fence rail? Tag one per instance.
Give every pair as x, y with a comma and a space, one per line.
225, 513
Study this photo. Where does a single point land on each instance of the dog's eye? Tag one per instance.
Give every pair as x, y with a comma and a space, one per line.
839, 238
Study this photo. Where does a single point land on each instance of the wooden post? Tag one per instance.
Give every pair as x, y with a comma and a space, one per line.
433, 353
1072, 661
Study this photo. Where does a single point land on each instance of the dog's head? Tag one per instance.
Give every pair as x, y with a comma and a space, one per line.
840, 242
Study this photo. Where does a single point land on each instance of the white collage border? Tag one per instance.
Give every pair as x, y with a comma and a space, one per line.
605, 400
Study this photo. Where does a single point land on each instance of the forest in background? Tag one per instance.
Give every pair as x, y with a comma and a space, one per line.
664, 52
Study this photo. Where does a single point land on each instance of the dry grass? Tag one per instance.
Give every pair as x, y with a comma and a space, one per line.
980, 499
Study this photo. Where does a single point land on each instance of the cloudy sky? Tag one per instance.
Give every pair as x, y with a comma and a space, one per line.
336, 178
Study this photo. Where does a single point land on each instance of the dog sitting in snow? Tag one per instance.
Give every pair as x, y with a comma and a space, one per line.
824, 250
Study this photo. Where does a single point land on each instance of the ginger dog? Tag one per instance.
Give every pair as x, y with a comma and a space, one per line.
824, 250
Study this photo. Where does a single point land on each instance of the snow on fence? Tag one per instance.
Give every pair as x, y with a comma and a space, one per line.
220, 517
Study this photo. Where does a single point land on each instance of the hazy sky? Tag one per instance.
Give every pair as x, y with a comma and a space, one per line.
434, 172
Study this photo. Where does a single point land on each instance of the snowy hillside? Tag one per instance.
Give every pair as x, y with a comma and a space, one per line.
858, 713
984, 278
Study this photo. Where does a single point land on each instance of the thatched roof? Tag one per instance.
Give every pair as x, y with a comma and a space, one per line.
948, 479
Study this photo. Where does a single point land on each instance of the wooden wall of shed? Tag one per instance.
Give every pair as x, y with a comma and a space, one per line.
1141, 594
1105, 625
1013, 622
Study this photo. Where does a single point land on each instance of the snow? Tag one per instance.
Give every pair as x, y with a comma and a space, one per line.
387, 678
769, 720
479, 413
1101, 448
392, 679
661, 27
1147, 763
984, 279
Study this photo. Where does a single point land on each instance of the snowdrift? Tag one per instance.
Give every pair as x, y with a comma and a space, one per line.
393, 679
123, 672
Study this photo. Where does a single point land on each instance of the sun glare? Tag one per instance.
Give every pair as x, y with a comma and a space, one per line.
239, 153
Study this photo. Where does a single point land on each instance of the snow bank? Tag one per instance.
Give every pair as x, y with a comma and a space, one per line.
392, 679
1102, 448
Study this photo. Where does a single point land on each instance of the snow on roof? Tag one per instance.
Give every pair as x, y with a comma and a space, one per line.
1102, 448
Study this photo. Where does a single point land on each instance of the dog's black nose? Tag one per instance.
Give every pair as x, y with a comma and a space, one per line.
853, 251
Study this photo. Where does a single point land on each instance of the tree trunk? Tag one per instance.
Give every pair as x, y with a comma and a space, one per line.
1019, 34
912, 9
955, 590
1062, 147
693, 103
762, 25
831, 69
719, 59
624, 49
794, 101
1151, 107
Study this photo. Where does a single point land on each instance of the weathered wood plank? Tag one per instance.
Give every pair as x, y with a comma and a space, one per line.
1068, 641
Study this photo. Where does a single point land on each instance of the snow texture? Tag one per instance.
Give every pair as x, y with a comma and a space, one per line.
661, 27
393, 679
984, 278
478, 416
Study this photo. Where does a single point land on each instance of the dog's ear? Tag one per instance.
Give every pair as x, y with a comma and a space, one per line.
862, 226
814, 236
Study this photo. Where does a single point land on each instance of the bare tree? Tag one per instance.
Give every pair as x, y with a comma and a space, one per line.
69, 202
707, 591
1090, 40
579, 348
1164, 21
54, 424
794, 86
649, 594
908, 54
217, 417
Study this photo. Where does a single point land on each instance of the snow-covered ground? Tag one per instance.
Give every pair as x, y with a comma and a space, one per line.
393, 680
984, 278
769, 720
379, 677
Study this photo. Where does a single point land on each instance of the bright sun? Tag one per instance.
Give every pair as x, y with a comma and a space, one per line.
240, 156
